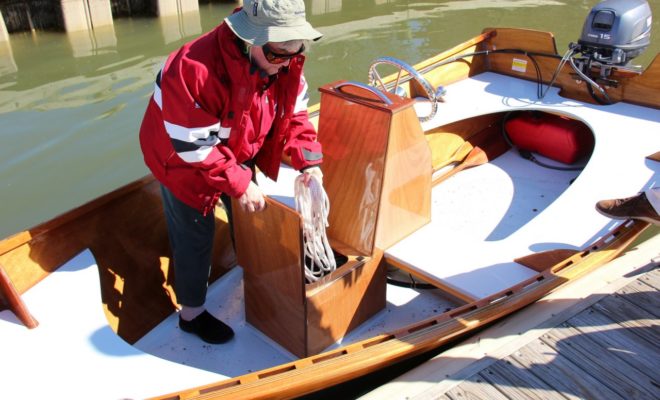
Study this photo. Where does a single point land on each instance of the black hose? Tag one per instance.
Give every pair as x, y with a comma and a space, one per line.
412, 284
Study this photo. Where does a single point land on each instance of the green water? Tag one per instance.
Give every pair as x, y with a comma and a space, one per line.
71, 104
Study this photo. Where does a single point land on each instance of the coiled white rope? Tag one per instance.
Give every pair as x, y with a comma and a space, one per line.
313, 205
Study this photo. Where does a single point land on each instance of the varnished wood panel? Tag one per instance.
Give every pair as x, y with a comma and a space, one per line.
405, 204
654, 157
645, 89
269, 248
13, 300
641, 89
377, 169
303, 318
445, 75
533, 42
340, 306
525, 39
545, 259
451, 72
445, 141
466, 128
354, 146
126, 232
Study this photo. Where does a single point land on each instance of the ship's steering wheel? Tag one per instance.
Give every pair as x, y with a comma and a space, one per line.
432, 94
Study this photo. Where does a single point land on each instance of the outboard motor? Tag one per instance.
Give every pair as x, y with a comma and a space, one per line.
616, 31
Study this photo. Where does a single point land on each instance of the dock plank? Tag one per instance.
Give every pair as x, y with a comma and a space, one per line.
562, 374
599, 361
597, 351
628, 315
643, 296
475, 388
512, 379
652, 278
622, 342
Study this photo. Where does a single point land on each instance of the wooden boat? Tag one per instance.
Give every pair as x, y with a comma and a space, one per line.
444, 203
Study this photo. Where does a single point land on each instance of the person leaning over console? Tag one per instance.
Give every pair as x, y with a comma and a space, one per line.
231, 99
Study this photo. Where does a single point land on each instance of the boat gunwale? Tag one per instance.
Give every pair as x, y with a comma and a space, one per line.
283, 381
26, 236
422, 335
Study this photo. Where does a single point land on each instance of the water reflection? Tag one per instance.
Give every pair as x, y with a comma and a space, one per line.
7, 63
101, 40
320, 7
105, 73
71, 104
81, 90
177, 27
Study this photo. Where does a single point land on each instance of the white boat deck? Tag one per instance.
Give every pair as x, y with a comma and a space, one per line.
76, 355
73, 353
484, 217
86, 359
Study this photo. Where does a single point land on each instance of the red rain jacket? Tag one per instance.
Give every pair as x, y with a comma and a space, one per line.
211, 112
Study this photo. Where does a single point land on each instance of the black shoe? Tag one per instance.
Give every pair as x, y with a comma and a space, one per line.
208, 328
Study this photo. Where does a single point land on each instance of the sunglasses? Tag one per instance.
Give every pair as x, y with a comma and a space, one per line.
277, 58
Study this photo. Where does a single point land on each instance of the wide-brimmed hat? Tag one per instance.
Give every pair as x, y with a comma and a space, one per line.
263, 21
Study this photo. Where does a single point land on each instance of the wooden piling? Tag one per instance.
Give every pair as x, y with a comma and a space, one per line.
4, 35
175, 7
79, 15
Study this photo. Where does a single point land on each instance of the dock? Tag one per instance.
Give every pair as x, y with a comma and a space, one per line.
596, 338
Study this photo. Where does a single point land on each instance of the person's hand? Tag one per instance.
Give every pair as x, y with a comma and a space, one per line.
253, 199
313, 171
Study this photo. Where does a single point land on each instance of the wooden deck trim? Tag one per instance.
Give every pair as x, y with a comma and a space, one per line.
304, 376
26, 236
459, 48
451, 368
605, 349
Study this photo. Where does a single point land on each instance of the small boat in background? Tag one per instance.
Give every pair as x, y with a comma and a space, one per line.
462, 189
